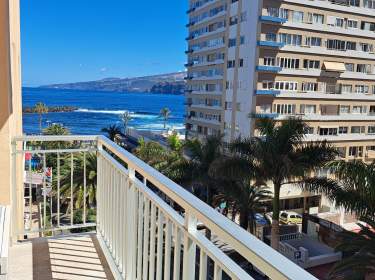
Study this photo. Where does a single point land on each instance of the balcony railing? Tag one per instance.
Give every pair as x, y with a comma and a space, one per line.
146, 224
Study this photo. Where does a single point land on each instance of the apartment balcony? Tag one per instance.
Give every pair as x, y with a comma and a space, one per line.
208, 3
206, 34
208, 93
305, 49
335, 5
206, 121
312, 95
140, 224
331, 117
270, 44
207, 49
206, 107
268, 69
207, 63
207, 78
269, 92
272, 19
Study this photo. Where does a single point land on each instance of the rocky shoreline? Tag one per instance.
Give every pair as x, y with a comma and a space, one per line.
51, 109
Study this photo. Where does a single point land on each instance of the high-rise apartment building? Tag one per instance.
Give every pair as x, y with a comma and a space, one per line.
309, 58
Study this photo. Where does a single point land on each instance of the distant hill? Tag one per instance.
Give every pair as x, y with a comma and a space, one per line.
173, 83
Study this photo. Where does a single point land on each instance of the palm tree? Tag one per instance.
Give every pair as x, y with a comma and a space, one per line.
353, 189
126, 118
359, 254
41, 109
112, 131
202, 155
175, 143
279, 155
56, 129
78, 182
165, 114
169, 162
247, 198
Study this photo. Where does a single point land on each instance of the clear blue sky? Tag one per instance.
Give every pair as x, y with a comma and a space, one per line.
80, 40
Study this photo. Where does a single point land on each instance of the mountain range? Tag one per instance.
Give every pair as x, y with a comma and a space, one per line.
172, 83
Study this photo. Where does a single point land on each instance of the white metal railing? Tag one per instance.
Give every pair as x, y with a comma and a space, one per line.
144, 237
42, 195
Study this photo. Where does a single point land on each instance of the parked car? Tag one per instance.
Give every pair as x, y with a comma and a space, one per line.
260, 219
287, 218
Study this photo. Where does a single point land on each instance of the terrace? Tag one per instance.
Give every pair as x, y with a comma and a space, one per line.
144, 225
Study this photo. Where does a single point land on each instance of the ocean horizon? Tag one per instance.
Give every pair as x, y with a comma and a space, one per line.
98, 109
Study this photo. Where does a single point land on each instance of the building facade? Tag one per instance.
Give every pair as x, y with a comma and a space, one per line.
314, 59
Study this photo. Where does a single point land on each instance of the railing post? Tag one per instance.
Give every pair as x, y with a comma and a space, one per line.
133, 224
99, 186
13, 198
190, 248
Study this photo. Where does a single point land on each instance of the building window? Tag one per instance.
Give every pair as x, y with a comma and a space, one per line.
231, 43
359, 109
233, 20
362, 89
231, 64
357, 129
290, 63
284, 109
313, 41
311, 64
344, 109
366, 47
309, 130
328, 131
269, 61
371, 129
355, 151
286, 85
349, 67
315, 18
271, 37
352, 23
242, 40
363, 68
369, 4
309, 86
307, 109
297, 16
346, 88
290, 39
343, 130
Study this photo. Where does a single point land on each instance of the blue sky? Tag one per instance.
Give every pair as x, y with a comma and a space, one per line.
81, 40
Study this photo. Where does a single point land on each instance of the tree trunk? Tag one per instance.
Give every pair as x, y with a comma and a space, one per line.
244, 219
209, 202
275, 229
40, 123
252, 223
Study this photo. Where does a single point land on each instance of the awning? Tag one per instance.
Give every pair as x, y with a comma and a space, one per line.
331, 66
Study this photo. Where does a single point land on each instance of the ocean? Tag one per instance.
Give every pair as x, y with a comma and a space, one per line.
101, 109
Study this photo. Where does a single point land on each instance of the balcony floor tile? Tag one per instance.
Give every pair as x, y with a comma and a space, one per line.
74, 257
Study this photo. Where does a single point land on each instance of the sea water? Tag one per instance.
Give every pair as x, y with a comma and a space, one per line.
101, 109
